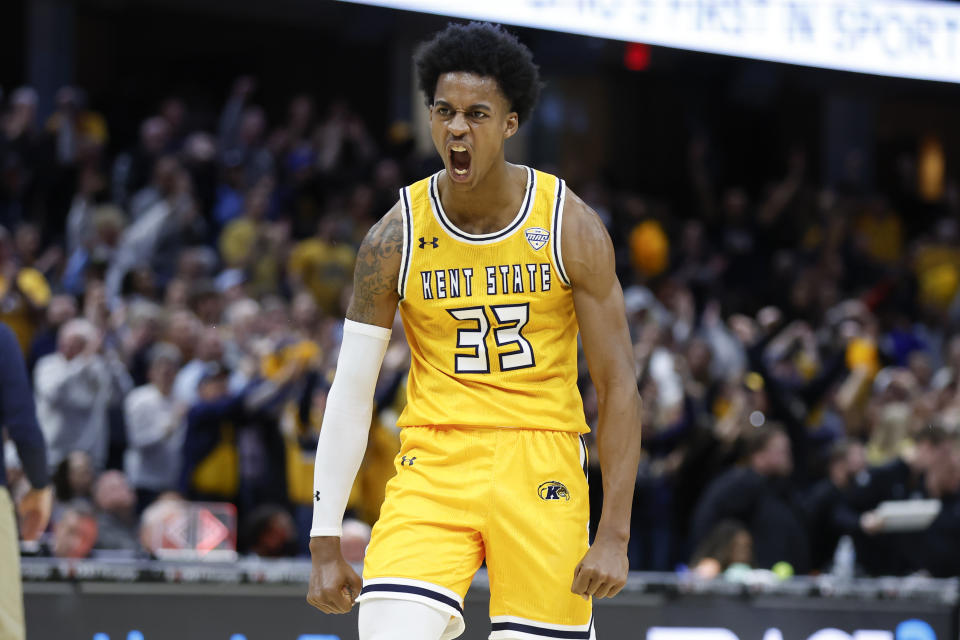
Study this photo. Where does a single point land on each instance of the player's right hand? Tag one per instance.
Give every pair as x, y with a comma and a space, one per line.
334, 585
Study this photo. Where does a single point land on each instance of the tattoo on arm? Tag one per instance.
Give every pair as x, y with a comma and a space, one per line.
376, 271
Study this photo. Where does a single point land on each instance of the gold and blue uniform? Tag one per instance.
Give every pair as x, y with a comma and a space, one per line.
492, 461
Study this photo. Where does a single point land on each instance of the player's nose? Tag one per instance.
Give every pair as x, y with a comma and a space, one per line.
458, 124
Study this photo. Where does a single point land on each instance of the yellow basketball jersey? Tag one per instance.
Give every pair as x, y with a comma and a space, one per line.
489, 318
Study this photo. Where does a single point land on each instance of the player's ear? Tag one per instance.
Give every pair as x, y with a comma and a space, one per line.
511, 125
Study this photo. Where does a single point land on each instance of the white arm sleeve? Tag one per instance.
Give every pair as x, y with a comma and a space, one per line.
346, 423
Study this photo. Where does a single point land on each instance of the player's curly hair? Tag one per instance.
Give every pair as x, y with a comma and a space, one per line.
486, 50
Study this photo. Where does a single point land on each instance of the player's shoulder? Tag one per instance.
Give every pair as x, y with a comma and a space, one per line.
576, 210
376, 271
380, 255
584, 233
387, 232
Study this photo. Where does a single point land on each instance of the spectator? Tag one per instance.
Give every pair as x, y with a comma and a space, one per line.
760, 496
210, 469
173, 110
904, 478
75, 387
75, 533
182, 332
21, 143
155, 429
354, 540
163, 176
116, 513
243, 344
225, 426
242, 128
728, 544
27, 244
79, 133
61, 310
132, 171
938, 552
156, 237
156, 521
323, 266
255, 244
209, 351
24, 293
98, 230
828, 513
270, 532
73, 479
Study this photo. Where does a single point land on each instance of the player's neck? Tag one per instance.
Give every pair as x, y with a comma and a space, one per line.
490, 204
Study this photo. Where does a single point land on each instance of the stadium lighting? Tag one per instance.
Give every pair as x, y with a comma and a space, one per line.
903, 38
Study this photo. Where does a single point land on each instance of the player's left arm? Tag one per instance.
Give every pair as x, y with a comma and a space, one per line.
588, 259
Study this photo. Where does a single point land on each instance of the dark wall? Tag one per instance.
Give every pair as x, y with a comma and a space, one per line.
130, 58
632, 127
12, 44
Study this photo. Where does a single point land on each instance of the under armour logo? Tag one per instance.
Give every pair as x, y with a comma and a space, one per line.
404, 460
433, 243
316, 496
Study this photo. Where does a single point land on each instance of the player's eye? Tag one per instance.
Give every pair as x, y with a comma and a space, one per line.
443, 111
479, 115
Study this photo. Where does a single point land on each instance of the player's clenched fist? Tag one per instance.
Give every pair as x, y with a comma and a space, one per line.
603, 571
334, 585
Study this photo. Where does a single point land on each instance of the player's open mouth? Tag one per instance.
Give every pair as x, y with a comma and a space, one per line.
459, 162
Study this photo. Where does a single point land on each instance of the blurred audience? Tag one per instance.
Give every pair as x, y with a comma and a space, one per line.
180, 297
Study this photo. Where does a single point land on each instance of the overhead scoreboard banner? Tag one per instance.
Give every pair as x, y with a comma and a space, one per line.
905, 38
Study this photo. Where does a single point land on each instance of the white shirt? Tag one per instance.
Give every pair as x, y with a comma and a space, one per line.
73, 397
187, 382
154, 439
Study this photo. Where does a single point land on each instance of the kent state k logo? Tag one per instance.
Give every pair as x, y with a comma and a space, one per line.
433, 243
553, 490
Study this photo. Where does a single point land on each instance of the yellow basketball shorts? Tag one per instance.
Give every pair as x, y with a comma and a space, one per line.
515, 497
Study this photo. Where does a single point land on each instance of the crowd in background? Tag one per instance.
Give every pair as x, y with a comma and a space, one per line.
179, 304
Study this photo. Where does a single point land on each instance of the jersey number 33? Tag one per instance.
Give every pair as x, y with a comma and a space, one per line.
506, 322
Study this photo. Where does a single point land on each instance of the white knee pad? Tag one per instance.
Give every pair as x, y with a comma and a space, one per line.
391, 619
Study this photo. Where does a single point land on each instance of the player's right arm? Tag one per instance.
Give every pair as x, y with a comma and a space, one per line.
334, 585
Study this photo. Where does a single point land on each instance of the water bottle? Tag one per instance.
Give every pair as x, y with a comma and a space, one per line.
844, 559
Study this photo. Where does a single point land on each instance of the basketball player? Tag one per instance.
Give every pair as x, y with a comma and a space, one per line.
494, 267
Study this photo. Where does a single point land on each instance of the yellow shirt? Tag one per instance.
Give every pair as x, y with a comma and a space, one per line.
489, 318
882, 235
324, 269
237, 241
15, 311
242, 245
